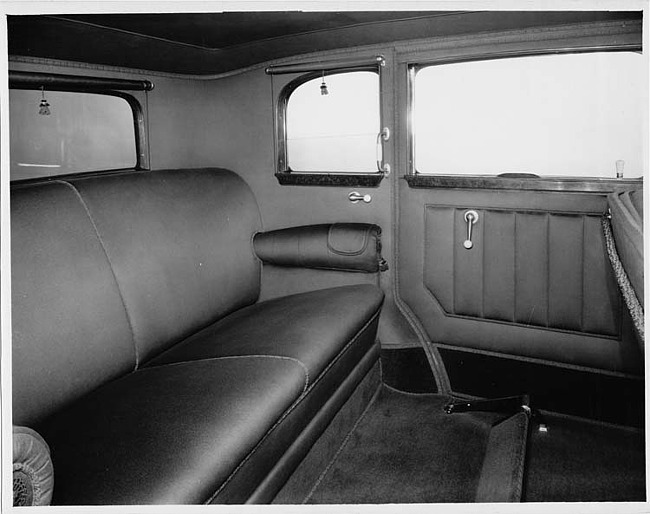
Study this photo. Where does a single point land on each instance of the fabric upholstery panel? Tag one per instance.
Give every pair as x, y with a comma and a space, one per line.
565, 256
546, 269
499, 257
169, 434
423, 256
531, 271
179, 242
70, 329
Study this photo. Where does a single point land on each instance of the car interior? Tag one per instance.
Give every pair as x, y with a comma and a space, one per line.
345, 256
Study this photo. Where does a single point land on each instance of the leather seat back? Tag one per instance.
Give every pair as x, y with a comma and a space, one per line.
70, 330
109, 271
179, 242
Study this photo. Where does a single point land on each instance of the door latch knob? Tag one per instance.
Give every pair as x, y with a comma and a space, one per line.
356, 197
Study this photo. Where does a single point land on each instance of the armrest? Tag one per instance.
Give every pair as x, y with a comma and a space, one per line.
339, 246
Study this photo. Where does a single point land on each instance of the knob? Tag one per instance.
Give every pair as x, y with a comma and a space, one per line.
356, 197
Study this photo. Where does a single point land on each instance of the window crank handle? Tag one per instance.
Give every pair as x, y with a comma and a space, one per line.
471, 217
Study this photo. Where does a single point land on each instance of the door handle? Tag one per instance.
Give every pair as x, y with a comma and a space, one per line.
471, 217
356, 197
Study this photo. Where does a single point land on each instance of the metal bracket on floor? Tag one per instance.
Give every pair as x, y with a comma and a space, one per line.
506, 405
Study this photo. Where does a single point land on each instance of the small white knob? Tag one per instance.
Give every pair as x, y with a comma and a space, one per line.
468, 244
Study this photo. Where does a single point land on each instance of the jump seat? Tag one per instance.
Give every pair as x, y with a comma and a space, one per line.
141, 354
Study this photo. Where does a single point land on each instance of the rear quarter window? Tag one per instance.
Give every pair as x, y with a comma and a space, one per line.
84, 132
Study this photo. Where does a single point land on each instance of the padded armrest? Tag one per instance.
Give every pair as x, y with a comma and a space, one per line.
338, 246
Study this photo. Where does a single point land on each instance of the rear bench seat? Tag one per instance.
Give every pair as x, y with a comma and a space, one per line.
140, 354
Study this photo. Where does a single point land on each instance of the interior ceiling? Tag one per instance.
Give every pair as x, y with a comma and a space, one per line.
213, 43
224, 30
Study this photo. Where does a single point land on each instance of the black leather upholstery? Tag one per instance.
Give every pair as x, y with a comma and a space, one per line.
311, 327
179, 245
169, 434
340, 246
70, 329
141, 356
188, 410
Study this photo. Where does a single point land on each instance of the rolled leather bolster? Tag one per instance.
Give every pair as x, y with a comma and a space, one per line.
337, 246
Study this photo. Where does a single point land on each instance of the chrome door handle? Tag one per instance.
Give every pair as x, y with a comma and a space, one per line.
471, 217
356, 197
382, 167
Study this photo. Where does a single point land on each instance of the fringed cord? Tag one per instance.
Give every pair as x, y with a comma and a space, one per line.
631, 300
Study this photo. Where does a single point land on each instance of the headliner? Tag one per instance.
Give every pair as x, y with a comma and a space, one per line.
213, 43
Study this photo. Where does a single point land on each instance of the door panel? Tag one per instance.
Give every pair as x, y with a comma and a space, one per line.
530, 268
536, 283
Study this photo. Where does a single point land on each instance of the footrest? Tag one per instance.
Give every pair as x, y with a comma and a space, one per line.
502, 473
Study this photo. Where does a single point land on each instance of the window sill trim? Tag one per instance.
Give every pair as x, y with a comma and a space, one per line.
293, 178
560, 184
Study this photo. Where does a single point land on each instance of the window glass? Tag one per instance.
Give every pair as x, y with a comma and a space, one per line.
551, 115
335, 132
83, 132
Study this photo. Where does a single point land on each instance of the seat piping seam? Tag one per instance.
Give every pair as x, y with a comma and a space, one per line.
294, 405
254, 356
110, 265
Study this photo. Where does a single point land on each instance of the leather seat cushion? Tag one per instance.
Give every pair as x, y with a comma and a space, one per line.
168, 434
207, 420
311, 327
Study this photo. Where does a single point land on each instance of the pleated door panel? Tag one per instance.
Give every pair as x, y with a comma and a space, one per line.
525, 267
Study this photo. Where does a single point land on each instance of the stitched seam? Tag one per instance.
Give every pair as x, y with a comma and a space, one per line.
281, 357
110, 265
343, 445
293, 407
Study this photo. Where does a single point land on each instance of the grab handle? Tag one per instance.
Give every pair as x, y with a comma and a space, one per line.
382, 167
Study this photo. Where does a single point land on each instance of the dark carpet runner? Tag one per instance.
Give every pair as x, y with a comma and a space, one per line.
406, 449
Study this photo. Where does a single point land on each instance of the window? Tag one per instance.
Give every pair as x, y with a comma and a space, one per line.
83, 132
334, 132
550, 115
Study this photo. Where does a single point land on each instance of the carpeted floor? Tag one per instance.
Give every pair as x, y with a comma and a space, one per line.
582, 461
406, 449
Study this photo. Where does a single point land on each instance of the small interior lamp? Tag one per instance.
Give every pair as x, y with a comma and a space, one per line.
323, 86
44, 106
